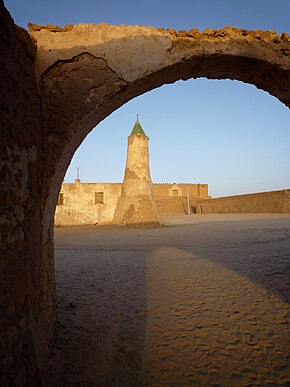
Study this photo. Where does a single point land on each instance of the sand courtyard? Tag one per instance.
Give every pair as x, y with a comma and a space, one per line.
203, 301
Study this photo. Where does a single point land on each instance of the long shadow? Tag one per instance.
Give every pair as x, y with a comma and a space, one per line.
218, 305
257, 249
101, 312
103, 280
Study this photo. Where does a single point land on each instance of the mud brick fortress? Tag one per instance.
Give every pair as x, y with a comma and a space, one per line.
101, 203
57, 84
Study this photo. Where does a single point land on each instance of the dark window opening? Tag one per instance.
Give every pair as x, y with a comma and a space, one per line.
99, 197
60, 199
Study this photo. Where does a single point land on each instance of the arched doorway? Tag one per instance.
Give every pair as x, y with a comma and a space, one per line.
86, 85
84, 75
81, 81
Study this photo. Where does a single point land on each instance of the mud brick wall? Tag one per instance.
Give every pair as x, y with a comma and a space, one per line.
263, 202
24, 271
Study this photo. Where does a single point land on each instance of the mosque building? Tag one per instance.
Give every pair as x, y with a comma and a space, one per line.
136, 202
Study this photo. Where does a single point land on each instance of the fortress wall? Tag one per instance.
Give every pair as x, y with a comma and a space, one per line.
166, 190
263, 202
78, 201
112, 65
202, 190
80, 207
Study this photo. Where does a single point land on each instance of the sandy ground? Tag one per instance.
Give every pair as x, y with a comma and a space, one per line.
202, 302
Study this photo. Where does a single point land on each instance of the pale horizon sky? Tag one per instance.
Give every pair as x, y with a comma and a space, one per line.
227, 134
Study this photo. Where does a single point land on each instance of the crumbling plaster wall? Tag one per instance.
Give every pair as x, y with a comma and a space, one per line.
79, 205
84, 74
136, 205
27, 297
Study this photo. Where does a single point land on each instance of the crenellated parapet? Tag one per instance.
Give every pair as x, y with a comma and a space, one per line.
208, 33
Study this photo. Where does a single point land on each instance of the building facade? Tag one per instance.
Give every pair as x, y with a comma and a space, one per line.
95, 203
136, 201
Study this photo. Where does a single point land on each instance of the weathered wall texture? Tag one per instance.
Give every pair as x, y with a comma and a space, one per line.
85, 73
263, 202
79, 206
27, 311
79, 203
167, 189
172, 199
136, 205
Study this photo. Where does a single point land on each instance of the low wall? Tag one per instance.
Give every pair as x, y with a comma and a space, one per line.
176, 205
79, 203
263, 202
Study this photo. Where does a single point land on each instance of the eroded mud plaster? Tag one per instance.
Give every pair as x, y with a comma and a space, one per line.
27, 297
56, 86
136, 206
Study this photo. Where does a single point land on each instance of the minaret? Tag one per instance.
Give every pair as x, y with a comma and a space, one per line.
136, 206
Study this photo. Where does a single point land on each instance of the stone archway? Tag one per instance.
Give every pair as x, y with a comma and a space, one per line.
82, 74
85, 72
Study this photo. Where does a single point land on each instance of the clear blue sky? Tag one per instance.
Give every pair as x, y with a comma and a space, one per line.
228, 134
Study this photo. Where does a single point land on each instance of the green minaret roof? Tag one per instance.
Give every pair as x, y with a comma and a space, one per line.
138, 128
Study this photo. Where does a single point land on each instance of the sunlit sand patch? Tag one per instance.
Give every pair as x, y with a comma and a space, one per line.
193, 304
209, 325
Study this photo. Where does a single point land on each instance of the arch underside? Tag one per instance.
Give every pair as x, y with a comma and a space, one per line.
56, 86
86, 89
78, 94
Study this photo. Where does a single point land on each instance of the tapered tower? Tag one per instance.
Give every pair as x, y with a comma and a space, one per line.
136, 206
